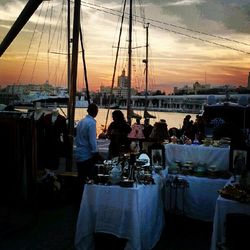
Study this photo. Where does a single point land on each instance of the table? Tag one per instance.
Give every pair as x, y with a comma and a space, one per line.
199, 198
224, 207
198, 154
136, 214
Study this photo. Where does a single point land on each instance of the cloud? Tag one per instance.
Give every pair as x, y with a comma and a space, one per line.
5, 26
10, 10
185, 2
230, 15
178, 58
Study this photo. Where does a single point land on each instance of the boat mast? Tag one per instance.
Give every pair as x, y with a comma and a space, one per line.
129, 111
115, 66
76, 31
146, 68
146, 114
68, 52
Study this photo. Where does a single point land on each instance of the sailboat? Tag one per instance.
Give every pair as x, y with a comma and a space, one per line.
146, 114
28, 11
130, 113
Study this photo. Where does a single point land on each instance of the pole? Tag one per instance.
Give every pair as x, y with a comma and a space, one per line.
146, 67
129, 111
69, 54
76, 29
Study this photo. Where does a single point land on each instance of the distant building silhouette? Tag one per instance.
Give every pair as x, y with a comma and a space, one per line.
121, 90
122, 80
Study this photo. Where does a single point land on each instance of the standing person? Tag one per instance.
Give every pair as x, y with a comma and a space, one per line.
199, 128
118, 131
147, 129
86, 151
187, 127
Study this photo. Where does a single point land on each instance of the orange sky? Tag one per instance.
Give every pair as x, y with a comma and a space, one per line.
179, 53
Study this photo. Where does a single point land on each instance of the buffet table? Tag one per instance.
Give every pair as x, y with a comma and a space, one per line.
198, 154
136, 214
224, 207
199, 198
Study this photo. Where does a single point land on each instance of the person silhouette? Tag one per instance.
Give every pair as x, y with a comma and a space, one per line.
117, 132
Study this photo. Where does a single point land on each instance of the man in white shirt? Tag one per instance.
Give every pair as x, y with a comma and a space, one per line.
86, 151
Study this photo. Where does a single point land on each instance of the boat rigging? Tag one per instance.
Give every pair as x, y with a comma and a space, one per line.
23, 18
130, 112
146, 114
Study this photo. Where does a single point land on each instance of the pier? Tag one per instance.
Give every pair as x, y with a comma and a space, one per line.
177, 103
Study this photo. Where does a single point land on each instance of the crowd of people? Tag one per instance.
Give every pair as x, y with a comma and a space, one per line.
122, 136
121, 133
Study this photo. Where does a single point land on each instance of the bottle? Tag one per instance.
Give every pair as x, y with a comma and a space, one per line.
196, 141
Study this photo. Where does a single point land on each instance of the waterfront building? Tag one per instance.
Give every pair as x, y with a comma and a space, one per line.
121, 90
204, 89
122, 80
182, 103
200, 87
26, 93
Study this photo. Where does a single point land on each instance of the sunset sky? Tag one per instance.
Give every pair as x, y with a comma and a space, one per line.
189, 40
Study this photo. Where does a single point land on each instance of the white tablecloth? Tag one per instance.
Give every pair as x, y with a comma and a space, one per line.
198, 154
224, 207
136, 214
199, 198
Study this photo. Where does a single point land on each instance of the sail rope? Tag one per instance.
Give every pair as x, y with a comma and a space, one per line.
27, 53
137, 80
115, 65
40, 41
57, 41
48, 42
38, 34
84, 67
60, 43
112, 11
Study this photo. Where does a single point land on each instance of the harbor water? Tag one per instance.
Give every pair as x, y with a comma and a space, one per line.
173, 119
